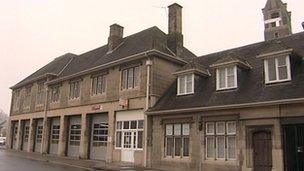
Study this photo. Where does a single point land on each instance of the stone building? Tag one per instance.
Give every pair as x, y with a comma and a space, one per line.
146, 99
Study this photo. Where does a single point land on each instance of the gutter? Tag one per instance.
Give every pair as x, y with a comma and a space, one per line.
222, 107
33, 79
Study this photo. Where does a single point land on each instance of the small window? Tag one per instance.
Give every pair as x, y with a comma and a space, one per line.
130, 78
274, 15
55, 92
276, 35
27, 98
277, 69
16, 100
177, 140
185, 84
226, 78
40, 94
98, 84
75, 131
221, 145
74, 90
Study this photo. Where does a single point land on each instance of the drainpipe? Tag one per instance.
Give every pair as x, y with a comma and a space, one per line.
148, 64
44, 138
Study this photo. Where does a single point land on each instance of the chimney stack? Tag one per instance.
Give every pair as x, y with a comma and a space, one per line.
115, 37
175, 36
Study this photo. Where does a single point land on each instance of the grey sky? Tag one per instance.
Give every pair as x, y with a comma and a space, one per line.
34, 32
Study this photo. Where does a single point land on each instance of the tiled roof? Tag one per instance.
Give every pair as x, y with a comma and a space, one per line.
54, 67
251, 86
149, 39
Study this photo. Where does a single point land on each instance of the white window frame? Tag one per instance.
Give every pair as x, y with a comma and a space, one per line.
73, 88
226, 79
52, 97
95, 81
40, 94
135, 131
215, 136
267, 81
185, 84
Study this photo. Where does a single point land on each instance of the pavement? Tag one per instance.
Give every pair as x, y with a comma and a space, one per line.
11, 160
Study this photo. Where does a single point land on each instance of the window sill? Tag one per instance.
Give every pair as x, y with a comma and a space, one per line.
179, 159
277, 82
74, 99
53, 103
221, 161
98, 95
226, 89
185, 94
129, 89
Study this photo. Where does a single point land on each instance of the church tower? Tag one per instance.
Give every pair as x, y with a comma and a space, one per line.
277, 20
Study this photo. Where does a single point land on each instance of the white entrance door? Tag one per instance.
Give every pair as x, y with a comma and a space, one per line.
127, 152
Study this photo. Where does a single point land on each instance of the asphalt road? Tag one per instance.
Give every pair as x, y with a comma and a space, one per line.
11, 162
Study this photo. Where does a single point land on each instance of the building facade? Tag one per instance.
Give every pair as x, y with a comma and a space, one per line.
146, 99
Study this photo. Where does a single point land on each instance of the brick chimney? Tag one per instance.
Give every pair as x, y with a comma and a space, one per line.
175, 36
115, 37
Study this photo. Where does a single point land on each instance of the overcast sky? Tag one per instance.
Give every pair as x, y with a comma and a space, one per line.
34, 32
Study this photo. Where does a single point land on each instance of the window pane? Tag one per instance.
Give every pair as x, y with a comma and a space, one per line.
140, 124
118, 126
169, 129
209, 128
136, 76
220, 128
169, 146
231, 147
182, 84
177, 129
231, 127
130, 78
186, 147
222, 76
124, 79
133, 124
220, 143
271, 69
186, 129
178, 146
118, 139
210, 147
281, 61
189, 83
126, 125
282, 73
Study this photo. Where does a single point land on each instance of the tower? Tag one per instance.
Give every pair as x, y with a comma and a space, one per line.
277, 20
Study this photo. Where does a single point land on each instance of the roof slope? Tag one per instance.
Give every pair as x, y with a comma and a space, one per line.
54, 68
150, 39
251, 86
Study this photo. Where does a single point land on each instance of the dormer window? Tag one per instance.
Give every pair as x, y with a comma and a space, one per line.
226, 77
185, 84
277, 69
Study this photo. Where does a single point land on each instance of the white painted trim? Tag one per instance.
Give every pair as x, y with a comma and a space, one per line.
266, 69
185, 84
273, 20
226, 79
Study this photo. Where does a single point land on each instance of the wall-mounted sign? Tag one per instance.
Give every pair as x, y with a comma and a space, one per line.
96, 107
124, 102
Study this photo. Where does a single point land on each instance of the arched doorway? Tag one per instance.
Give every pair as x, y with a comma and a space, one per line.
262, 151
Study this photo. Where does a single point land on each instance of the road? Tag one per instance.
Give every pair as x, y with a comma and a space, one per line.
11, 162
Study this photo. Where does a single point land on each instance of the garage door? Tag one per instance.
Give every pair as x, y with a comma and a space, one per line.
74, 136
54, 136
38, 136
25, 138
99, 137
